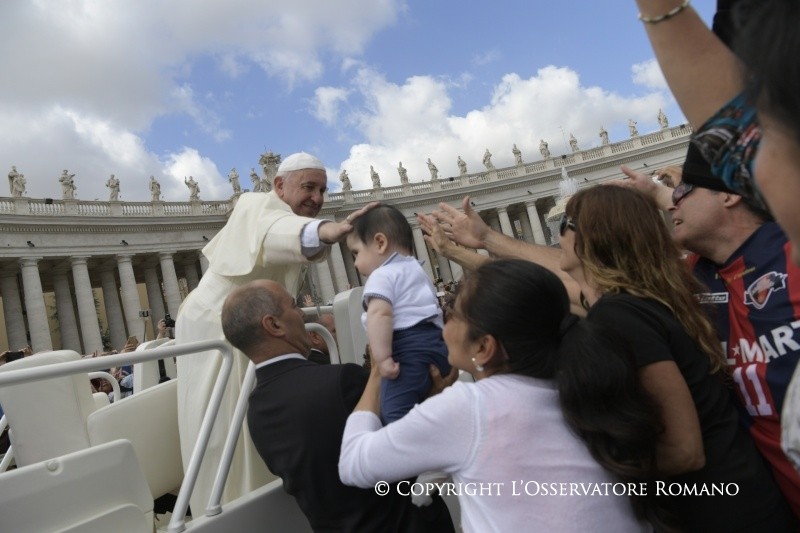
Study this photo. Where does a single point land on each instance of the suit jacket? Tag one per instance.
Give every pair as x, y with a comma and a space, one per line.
319, 357
297, 413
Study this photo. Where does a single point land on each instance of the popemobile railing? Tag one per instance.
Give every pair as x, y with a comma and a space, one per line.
178, 521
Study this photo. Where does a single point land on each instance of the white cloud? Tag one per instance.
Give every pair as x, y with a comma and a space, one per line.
86, 80
648, 74
413, 121
487, 57
189, 162
326, 103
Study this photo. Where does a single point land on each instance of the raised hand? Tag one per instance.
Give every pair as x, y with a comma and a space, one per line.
466, 228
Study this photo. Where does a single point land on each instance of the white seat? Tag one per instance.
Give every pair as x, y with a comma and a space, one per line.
95, 490
149, 420
48, 417
350, 334
146, 375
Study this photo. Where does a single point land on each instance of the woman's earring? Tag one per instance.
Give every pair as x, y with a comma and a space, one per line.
478, 367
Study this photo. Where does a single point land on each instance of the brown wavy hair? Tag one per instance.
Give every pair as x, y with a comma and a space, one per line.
625, 246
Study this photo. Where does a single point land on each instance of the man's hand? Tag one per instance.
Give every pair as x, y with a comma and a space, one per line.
331, 232
467, 228
439, 383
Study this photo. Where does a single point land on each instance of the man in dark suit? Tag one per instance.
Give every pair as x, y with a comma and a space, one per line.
297, 415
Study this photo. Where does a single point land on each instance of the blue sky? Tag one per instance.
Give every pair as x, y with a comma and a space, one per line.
196, 87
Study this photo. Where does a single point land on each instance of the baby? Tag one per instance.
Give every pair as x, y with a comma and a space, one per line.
402, 314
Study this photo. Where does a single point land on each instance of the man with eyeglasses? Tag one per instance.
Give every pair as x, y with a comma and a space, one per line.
744, 259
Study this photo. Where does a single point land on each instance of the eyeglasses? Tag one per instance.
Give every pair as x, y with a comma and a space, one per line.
681, 191
565, 223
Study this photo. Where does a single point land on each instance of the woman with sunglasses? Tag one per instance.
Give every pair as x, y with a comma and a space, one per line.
555, 420
619, 257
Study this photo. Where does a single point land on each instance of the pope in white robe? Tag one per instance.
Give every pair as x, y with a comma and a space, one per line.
266, 237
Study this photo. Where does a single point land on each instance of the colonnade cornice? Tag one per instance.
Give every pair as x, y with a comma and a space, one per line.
110, 227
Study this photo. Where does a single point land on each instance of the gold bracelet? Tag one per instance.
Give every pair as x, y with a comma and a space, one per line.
668, 15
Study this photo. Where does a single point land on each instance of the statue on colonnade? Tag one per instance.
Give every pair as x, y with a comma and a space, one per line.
68, 187
433, 169
462, 166
155, 190
632, 128
544, 150
113, 188
573, 143
376, 179
603, 136
233, 179
517, 155
194, 189
403, 171
345, 179
662, 120
487, 160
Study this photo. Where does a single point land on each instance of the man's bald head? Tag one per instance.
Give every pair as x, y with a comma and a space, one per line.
244, 309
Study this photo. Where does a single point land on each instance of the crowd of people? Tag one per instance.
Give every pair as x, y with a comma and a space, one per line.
639, 354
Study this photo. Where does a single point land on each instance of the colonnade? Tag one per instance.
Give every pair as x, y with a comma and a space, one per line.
77, 306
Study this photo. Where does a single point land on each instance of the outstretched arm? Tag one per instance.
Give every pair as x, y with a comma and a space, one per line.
331, 232
702, 73
434, 235
468, 229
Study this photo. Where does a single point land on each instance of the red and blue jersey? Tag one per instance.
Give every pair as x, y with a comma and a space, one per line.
756, 295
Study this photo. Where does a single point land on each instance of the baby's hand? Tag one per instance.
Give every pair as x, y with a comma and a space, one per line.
389, 369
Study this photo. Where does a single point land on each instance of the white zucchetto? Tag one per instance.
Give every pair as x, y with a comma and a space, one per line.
299, 161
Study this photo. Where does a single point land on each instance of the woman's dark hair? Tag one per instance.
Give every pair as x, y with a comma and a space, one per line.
525, 307
768, 42
388, 220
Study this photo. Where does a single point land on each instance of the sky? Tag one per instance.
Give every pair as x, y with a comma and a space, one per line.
177, 88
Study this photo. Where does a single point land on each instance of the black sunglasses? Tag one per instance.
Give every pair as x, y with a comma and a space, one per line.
681, 191
565, 223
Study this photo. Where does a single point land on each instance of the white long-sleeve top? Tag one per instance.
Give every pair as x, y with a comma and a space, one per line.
505, 435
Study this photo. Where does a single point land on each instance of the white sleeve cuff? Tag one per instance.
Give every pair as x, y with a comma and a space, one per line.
309, 239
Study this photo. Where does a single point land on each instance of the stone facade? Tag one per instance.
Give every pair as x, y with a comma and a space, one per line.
66, 262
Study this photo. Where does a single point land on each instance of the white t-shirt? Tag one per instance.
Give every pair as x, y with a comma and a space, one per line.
402, 282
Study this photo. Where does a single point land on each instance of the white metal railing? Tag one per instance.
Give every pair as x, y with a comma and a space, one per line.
178, 521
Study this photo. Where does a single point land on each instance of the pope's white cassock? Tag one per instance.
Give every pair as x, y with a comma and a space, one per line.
261, 240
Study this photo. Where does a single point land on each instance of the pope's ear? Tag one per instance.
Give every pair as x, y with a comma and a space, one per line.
278, 183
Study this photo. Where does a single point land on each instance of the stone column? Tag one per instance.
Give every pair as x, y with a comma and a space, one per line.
536, 223
130, 296
339, 269
323, 282
154, 296
350, 268
525, 224
171, 288
12, 311
87, 312
494, 222
203, 263
67, 324
505, 222
190, 269
444, 268
458, 272
422, 250
116, 322
34, 305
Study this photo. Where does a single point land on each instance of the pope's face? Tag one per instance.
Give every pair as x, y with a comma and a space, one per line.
303, 190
